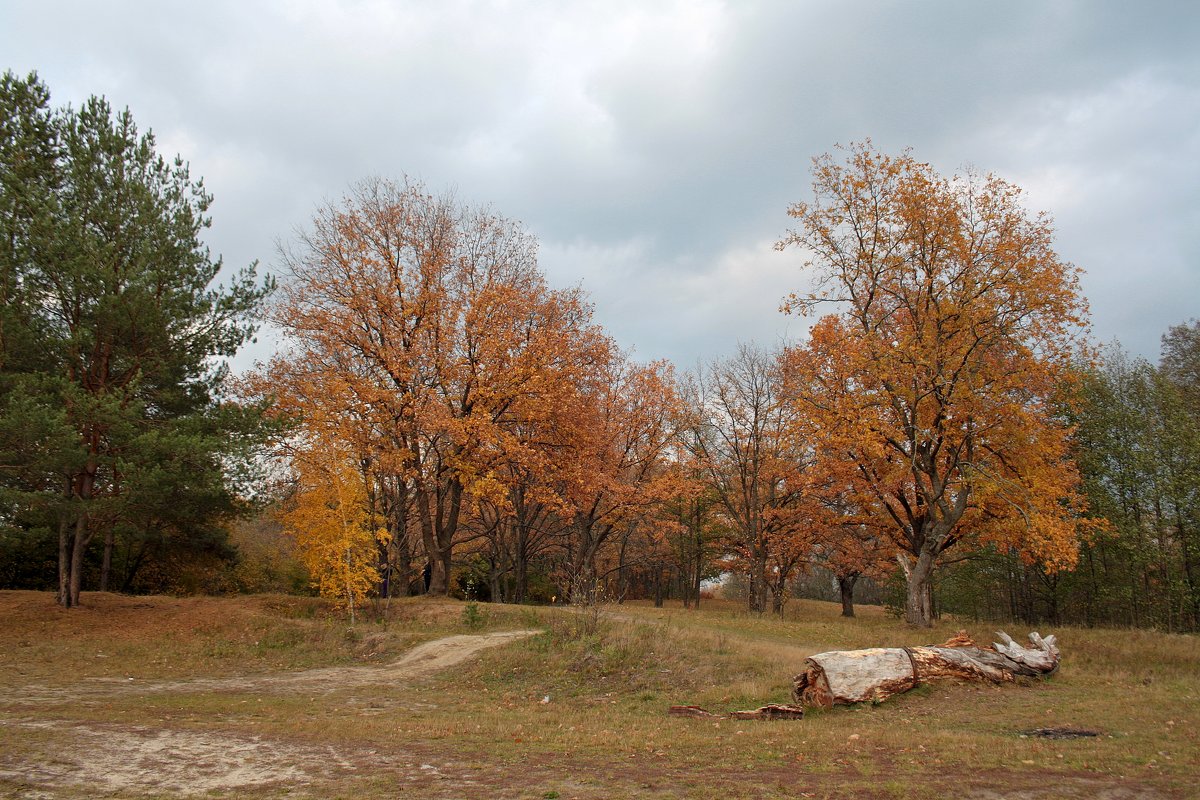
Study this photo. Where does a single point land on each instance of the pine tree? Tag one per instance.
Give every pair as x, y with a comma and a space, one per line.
111, 342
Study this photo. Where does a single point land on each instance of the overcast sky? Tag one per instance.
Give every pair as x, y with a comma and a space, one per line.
653, 147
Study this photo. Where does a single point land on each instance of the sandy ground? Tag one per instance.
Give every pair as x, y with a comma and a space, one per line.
420, 661
132, 760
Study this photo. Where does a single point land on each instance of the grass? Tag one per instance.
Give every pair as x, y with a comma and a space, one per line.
579, 710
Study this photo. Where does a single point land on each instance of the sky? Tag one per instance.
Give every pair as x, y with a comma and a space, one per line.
653, 148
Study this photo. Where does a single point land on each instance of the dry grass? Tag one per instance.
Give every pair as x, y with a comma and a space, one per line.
485, 729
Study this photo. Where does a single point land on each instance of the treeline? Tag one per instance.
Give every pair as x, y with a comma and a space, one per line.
451, 407
1137, 443
439, 419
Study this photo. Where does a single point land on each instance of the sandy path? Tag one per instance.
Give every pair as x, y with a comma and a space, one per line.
106, 758
421, 660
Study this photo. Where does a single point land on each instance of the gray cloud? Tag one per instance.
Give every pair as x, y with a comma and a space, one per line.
654, 148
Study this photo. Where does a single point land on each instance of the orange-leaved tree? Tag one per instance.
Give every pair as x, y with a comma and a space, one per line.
852, 535
939, 378
615, 473
426, 326
524, 506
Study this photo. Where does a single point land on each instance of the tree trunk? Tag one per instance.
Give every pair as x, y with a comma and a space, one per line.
394, 500
441, 573
132, 567
521, 564
437, 532
106, 562
778, 599
584, 586
495, 593
918, 600
758, 581
846, 586
403, 578
78, 546
858, 676
64, 560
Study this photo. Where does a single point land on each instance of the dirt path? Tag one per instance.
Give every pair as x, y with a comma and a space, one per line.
107, 758
420, 661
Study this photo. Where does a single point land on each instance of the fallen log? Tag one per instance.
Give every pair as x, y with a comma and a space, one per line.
858, 676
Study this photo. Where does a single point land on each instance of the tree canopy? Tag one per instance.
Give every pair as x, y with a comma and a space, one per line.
450, 421
936, 384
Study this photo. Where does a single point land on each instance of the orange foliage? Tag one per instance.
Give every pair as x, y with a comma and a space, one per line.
331, 522
488, 408
428, 331
616, 471
933, 392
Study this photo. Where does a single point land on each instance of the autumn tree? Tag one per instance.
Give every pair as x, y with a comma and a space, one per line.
426, 326
331, 521
743, 441
693, 529
938, 379
851, 537
615, 470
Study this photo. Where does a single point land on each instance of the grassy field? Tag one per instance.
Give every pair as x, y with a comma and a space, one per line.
278, 697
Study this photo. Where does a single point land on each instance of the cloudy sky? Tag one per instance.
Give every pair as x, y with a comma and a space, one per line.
654, 147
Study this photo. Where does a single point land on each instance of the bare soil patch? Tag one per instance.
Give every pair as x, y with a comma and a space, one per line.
107, 759
422, 660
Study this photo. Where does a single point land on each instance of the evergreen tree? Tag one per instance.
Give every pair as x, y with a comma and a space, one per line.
111, 343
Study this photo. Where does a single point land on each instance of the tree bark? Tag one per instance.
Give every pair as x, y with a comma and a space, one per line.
106, 561
64, 560
918, 601
846, 587
758, 580
778, 599
859, 676
521, 563
78, 546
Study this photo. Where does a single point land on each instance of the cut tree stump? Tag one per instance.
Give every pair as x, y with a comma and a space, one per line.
843, 677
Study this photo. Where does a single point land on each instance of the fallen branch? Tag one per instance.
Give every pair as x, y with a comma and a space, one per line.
772, 711
768, 712
857, 676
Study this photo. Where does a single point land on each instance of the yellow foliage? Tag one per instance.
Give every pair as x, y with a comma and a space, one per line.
330, 518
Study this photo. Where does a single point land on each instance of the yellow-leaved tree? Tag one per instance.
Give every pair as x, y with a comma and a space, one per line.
331, 520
